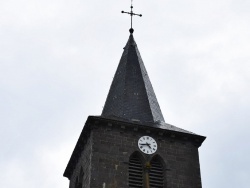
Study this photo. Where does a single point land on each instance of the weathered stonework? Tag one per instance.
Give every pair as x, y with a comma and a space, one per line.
110, 143
84, 162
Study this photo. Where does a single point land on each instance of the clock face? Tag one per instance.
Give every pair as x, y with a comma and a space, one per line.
147, 144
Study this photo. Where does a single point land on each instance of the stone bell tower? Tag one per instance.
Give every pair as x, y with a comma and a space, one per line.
130, 144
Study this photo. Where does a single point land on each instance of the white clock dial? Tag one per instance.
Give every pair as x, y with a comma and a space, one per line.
147, 144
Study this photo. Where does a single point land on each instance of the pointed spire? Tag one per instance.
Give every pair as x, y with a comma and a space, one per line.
131, 96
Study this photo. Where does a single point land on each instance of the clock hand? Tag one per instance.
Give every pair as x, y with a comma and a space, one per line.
148, 145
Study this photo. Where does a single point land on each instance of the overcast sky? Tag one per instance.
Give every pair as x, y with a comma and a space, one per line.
58, 58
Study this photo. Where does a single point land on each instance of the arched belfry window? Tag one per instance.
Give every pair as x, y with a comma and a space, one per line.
135, 170
156, 173
146, 173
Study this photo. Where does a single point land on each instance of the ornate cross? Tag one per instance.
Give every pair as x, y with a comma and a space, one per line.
131, 13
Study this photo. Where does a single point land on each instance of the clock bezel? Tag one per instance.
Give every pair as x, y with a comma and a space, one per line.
152, 141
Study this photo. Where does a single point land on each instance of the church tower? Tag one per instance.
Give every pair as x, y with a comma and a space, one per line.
130, 145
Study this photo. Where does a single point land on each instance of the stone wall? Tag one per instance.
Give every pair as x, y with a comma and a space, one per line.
113, 145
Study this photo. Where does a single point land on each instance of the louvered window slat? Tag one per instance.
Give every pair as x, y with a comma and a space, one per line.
156, 174
135, 172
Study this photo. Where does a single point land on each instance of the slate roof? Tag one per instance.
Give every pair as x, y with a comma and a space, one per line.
131, 95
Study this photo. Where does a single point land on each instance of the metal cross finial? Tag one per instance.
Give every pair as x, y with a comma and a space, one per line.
131, 13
